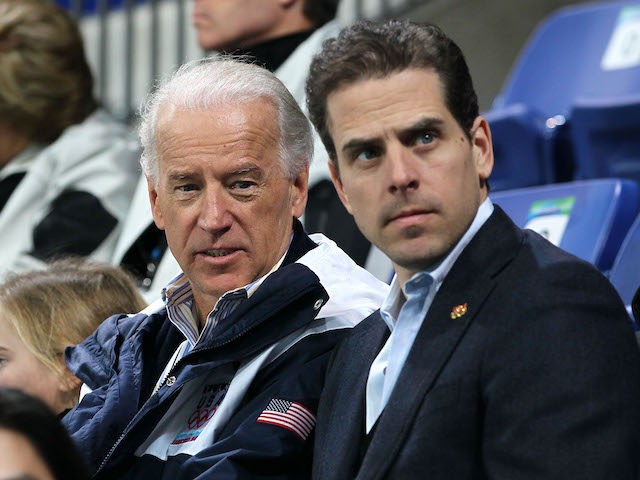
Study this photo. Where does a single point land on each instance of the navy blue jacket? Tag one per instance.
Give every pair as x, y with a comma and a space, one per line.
124, 359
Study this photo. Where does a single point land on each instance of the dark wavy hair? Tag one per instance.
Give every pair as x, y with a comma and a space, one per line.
367, 50
31, 418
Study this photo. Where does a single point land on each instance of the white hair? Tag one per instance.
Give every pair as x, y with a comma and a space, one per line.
223, 80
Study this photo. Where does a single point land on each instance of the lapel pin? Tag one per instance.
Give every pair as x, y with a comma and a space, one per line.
458, 311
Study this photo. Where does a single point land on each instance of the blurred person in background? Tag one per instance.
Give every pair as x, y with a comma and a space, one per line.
33, 443
43, 312
282, 36
67, 169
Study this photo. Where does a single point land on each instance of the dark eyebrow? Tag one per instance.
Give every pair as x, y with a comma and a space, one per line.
426, 124
358, 144
422, 125
405, 134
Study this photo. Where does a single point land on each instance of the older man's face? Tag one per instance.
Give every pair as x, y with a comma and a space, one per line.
231, 24
222, 197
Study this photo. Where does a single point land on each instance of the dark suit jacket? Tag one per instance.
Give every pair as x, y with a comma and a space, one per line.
635, 306
539, 379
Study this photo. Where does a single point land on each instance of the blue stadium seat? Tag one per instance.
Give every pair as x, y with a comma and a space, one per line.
517, 126
606, 137
625, 272
88, 7
583, 55
588, 218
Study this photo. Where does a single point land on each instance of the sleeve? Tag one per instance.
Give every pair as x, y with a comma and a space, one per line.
271, 435
76, 224
561, 386
101, 415
88, 177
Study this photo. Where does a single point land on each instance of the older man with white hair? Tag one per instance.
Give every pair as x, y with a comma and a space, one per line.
222, 377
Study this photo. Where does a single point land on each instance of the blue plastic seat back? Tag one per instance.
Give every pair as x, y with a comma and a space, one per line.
588, 218
88, 7
577, 57
519, 157
625, 273
606, 137
577, 52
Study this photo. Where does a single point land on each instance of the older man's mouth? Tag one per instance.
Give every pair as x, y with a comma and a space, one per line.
222, 252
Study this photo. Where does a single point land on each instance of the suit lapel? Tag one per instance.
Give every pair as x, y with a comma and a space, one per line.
454, 308
339, 453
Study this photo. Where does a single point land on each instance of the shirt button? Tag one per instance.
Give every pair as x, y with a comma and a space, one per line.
318, 304
170, 381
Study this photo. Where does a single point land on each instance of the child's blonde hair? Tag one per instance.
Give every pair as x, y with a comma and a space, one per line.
63, 304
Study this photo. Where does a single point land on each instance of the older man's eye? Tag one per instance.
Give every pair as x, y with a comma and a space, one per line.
242, 185
189, 187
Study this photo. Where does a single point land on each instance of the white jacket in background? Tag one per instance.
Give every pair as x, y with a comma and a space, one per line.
97, 159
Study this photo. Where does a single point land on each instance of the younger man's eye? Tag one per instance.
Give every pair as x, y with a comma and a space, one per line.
425, 138
366, 155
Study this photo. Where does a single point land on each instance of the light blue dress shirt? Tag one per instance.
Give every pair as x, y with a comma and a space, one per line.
404, 311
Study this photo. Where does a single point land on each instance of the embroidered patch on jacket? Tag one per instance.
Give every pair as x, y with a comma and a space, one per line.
205, 409
290, 415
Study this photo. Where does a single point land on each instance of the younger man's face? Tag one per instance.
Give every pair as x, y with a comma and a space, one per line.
407, 172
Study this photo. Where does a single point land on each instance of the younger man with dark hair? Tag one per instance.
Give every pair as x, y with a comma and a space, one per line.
496, 354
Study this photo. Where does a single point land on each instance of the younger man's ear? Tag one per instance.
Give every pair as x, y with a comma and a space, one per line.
482, 147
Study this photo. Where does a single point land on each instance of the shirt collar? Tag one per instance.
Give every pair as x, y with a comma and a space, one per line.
395, 299
181, 309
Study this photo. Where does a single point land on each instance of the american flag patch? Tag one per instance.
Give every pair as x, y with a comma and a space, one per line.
290, 415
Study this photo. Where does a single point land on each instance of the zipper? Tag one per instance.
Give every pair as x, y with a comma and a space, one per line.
127, 430
113, 448
243, 332
182, 360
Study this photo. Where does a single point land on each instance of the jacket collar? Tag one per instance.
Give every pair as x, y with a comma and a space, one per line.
244, 330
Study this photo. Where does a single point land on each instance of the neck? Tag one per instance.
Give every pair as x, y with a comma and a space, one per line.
202, 318
292, 21
272, 53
